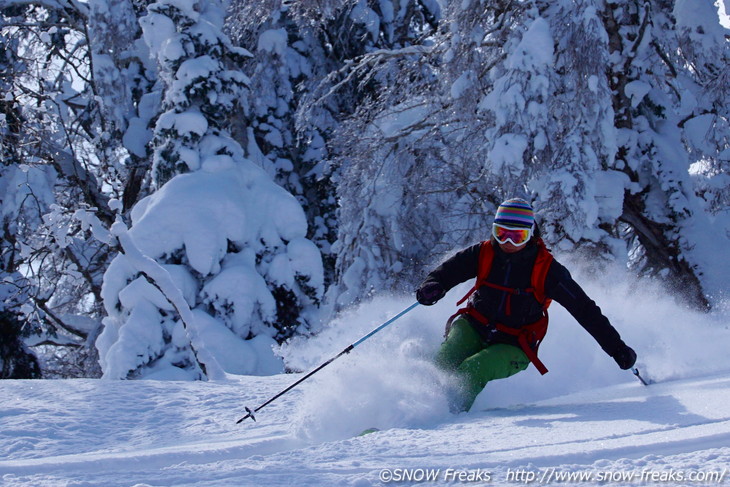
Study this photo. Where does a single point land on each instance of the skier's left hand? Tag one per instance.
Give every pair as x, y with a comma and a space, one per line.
625, 357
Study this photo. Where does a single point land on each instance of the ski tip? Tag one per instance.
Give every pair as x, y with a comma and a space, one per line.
368, 431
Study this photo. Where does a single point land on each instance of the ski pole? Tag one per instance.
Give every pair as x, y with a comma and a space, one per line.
250, 413
638, 376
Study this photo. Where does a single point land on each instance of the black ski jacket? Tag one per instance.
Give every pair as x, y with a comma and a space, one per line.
514, 271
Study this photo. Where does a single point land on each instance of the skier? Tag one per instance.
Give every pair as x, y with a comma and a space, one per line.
498, 332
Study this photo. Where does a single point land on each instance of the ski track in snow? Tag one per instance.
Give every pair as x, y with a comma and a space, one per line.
147, 433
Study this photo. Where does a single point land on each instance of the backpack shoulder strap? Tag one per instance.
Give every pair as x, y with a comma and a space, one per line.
540, 271
486, 256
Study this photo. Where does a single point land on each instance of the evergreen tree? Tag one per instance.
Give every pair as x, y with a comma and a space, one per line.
194, 58
124, 82
287, 60
235, 271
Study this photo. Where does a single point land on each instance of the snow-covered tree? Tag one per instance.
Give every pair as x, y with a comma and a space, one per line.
397, 126
578, 196
288, 58
16, 360
368, 34
580, 106
124, 84
201, 91
656, 105
706, 115
231, 240
49, 171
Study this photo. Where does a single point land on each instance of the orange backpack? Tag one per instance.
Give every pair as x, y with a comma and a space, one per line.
528, 336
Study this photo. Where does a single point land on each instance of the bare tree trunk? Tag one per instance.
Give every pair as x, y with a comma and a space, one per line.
663, 253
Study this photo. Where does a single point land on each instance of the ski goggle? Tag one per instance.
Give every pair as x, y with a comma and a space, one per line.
516, 236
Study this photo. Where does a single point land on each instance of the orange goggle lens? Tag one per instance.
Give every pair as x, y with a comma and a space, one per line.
517, 236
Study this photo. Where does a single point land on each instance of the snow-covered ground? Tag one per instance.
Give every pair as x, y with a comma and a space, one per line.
104, 433
586, 418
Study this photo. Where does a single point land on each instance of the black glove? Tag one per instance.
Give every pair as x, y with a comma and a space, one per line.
625, 357
429, 293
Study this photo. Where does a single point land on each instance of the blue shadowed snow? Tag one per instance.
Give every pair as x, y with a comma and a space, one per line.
585, 417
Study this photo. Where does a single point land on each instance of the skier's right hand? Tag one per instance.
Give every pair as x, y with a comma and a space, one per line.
429, 293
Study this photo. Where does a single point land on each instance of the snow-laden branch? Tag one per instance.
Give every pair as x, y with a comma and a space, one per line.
161, 279
362, 64
73, 5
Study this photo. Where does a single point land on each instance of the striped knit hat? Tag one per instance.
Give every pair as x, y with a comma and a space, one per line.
515, 212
